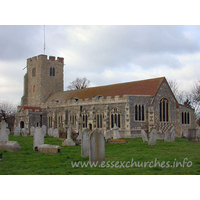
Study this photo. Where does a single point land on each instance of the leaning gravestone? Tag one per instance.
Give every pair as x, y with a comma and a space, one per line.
24, 132
96, 147
17, 131
85, 143
32, 131
38, 138
56, 133
44, 130
116, 132
3, 132
50, 132
144, 136
153, 137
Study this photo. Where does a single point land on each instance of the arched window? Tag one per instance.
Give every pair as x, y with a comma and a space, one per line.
34, 88
139, 112
115, 118
164, 110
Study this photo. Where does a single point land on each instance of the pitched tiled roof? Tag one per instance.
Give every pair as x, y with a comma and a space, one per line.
144, 87
32, 108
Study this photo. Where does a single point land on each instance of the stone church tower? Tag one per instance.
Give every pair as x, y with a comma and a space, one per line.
44, 77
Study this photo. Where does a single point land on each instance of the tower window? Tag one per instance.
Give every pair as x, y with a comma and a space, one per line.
33, 72
34, 88
52, 71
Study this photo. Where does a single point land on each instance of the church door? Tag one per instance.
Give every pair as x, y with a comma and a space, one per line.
21, 124
90, 127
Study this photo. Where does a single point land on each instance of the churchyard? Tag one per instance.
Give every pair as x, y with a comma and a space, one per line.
118, 158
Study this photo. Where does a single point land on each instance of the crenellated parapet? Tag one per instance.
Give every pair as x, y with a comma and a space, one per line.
80, 102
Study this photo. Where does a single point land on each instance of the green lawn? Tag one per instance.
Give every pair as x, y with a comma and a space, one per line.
27, 162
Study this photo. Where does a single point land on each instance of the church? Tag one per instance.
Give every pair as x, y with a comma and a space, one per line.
132, 106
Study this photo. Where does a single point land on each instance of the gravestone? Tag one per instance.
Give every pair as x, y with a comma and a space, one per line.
108, 135
116, 132
38, 138
144, 136
17, 131
184, 134
47, 148
170, 136
50, 132
44, 130
69, 141
24, 132
160, 135
152, 138
3, 132
32, 131
56, 133
96, 147
85, 143
80, 130
173, 135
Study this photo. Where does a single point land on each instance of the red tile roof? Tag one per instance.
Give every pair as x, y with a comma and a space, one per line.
144, 87
32, 108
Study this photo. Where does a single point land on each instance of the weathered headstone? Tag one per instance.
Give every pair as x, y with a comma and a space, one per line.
173, 135
32, 131
85, 143
167, 137
96, 147
24, 132
116, 132
69, 141
144, 136
80, 130
17, 131
160, 135
152, 138
3, 133
50, 132
108, 135
44, 130
38, 138
56, 133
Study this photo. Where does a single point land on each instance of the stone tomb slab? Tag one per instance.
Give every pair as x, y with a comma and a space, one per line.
47, 148
117, 141
11, 146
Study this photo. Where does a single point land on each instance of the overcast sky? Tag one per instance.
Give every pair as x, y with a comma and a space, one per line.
102, 54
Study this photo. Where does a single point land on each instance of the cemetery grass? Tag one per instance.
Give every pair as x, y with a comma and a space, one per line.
29, 162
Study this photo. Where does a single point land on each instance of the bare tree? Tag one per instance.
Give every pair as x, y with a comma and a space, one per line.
195, 96
79, 83
8, 112
175, 89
